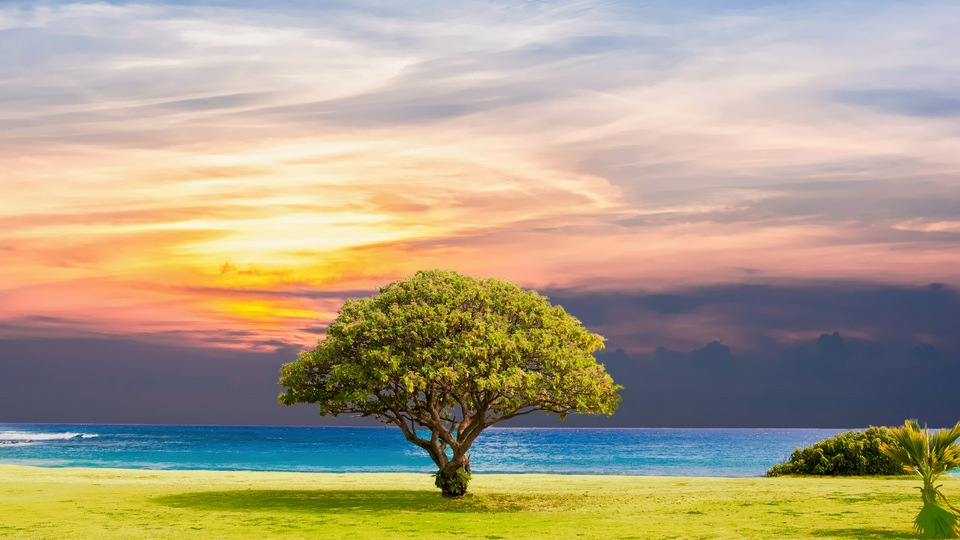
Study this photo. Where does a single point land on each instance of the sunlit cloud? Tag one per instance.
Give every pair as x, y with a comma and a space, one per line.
164, 165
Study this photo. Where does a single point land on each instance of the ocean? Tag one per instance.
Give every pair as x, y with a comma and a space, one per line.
660, 452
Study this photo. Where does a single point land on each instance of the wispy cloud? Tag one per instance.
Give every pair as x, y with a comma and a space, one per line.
311, 146
905, 101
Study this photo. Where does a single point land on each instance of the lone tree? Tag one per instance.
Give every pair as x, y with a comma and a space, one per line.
445, 356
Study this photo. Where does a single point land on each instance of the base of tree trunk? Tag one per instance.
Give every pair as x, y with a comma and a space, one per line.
453, 479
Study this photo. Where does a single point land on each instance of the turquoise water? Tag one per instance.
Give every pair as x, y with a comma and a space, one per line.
669, 452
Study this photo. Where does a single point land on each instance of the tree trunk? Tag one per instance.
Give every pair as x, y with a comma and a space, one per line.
452, 478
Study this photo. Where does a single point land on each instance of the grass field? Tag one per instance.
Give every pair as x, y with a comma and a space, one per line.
112, 503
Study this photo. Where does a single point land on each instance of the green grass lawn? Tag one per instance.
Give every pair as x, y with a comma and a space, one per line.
112, 503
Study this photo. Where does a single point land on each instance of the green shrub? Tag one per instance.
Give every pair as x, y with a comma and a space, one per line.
854, 453
455, 485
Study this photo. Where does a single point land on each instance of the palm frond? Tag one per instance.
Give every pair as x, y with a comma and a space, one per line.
935, 521
944, 448
929, 454
911, 446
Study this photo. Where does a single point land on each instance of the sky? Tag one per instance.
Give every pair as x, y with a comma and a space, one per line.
756, 203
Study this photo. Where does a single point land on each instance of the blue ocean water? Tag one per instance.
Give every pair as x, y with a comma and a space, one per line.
666, 452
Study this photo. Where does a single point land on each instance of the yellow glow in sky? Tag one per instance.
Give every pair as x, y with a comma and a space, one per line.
193, 169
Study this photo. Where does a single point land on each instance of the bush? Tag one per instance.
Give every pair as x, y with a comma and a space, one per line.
854, 453
455, 485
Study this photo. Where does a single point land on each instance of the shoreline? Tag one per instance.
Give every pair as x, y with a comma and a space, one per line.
476, 474
387, 427
949, 476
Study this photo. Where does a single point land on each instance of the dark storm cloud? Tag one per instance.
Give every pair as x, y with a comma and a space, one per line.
748, 316
800, 355
125, 381
829, 354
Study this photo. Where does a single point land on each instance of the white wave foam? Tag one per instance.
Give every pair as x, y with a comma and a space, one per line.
26, 435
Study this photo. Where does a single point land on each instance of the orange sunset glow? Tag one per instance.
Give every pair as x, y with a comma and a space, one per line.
170, 170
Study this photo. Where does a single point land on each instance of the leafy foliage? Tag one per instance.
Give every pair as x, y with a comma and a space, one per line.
929, 454
455, 485
854, 453
451, 355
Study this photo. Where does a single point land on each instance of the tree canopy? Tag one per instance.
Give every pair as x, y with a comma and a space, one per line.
445, 356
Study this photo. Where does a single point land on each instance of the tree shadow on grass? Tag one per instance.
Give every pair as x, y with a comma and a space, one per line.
865, 534
334, 501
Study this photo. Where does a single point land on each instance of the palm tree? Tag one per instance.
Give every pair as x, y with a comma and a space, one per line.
929, 454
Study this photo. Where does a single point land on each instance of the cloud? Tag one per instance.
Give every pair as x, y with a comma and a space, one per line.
792, 355
831, 346
170, 163
910, 102
766, 319
925, 353
800, 354
126, 381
